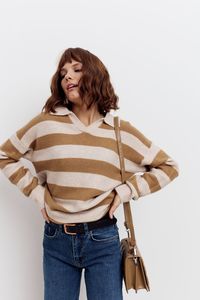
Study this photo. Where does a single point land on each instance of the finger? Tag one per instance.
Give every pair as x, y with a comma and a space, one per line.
111, 211
115, 204
45, 215
47, 219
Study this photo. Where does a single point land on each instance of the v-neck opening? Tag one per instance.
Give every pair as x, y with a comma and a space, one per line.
76, 121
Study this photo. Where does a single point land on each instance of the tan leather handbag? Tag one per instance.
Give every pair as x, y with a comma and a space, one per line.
133, 269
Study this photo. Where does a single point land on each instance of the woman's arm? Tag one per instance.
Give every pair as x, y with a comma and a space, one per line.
11, 151
160, 168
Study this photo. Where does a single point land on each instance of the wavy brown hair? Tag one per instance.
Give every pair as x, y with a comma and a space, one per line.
95, 86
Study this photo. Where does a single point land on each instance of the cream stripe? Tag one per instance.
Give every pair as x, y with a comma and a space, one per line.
134, 195
79, 205
129, 167
150, 155
161, 176
109, 118
3, 155
52, 127
37, 195
49, 127
83, 127
133, 142
77, 151
171, 162
25, 180
42, 177
132, 167
19, 145
143, 186
80, 179
84, 152
83, 216
11, 168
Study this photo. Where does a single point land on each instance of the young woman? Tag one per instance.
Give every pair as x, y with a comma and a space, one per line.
73, 147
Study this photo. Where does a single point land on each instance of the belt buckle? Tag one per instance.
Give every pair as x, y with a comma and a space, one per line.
65, 228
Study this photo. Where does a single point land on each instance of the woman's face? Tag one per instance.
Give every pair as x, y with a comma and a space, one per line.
71, 74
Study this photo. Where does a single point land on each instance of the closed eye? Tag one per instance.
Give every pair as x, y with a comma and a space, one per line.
63, 75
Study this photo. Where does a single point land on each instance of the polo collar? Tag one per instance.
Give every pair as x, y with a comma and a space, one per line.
63, 110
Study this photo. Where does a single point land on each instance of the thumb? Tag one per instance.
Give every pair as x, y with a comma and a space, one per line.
115, 204
43, 210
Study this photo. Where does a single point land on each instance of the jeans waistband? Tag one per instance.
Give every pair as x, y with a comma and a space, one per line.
74, 228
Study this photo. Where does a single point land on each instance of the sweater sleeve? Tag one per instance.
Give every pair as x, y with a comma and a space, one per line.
19, 145
157, 168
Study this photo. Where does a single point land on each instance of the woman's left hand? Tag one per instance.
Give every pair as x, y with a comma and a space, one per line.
116, 202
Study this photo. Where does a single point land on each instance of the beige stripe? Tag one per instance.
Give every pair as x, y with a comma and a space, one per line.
161, 176
55, 127
86, 166
12, 168
84, 152
71, 192
41, 177
171, 162
150, 155
80, 125
25, 180
78, 205
135, 194
52, 127
79, 217
37, 195
133, 142
10, 151
142, 186
78, 179
3, 155
45, 128
124, 191
82, 138
160, 158
19, 145
127, 126
74, 151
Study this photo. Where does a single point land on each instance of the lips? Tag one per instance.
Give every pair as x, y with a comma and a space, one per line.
71, 85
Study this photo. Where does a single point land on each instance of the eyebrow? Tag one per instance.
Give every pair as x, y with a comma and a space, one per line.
63, 69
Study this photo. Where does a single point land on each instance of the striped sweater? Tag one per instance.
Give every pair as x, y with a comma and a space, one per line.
78, 166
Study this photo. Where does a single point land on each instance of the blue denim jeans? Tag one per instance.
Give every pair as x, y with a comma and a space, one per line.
97, 251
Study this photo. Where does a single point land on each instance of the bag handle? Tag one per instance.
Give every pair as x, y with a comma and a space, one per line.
128, 223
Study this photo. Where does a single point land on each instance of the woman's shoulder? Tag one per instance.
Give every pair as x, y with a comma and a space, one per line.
132, 129
128, 126
39, 117
33, 123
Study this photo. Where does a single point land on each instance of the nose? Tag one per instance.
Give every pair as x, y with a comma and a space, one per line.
67, 76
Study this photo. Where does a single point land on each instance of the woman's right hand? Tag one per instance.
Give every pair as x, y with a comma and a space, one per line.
44, 213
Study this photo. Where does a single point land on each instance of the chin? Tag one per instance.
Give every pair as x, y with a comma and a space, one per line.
74, 100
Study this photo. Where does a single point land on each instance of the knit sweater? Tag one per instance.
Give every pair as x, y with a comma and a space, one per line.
78, 167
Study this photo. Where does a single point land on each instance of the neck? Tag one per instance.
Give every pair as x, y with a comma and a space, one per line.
87, 116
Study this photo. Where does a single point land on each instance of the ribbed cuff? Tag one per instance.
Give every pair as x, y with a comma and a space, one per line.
135, 195
124, 192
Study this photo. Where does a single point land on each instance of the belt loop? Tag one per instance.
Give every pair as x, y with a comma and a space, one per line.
60, 227
85, 227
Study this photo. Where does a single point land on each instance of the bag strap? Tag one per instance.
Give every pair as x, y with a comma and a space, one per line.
128, 223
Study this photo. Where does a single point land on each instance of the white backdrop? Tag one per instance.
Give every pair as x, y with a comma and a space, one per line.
151, 49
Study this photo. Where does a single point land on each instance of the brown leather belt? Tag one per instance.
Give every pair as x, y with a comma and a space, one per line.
74, 228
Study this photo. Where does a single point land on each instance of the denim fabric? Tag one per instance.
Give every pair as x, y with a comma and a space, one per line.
96, 251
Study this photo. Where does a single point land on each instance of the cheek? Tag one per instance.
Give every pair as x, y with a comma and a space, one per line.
62, 84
